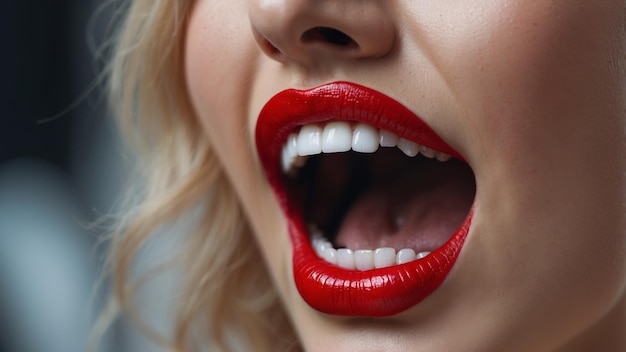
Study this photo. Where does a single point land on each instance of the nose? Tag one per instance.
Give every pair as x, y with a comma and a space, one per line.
307, 31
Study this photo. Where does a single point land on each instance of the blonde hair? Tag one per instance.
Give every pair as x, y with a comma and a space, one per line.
227, 301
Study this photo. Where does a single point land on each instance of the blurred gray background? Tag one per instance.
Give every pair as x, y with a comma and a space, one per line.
55, 177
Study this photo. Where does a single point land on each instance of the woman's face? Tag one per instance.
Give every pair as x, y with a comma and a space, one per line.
528, 94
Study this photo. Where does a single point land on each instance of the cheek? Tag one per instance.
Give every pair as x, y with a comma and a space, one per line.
220, 63
540, 87
217, 36
214, 41
536, 72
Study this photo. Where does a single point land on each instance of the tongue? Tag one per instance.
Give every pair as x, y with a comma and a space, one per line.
420, 210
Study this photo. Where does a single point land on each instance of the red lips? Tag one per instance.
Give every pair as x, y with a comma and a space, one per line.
326, 287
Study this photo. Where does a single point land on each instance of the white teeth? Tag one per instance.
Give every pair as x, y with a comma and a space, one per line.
384, 257
427, 152
364, 259
340, 136
337, 137
330, 255
285, 159
388, 139
365, 138
290, 153
421, 255
309, 140
292, 145
320, 244
405, 255
409, 148
345, 258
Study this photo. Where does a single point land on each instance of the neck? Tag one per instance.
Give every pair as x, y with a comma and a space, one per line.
607, 334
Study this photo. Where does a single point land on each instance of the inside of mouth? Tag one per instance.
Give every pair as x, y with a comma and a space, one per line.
382, 200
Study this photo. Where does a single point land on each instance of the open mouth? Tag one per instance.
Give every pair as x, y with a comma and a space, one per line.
378, 206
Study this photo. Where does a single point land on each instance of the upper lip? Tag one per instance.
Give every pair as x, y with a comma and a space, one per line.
336, 101
317, 281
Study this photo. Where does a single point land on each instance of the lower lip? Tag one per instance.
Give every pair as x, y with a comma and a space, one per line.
372, 293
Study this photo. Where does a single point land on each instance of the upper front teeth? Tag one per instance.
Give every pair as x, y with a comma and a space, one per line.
339, 136
365, 138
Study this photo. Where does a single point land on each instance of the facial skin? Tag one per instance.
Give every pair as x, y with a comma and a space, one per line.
531, 93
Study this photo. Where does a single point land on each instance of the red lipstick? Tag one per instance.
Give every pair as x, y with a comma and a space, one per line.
324, 286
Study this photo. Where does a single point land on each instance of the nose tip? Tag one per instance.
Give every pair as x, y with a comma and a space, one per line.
304, 31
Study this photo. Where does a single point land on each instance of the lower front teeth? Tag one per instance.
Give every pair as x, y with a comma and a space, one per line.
406, 255
363, 259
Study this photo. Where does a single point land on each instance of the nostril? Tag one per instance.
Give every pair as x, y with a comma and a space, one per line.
328, 35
